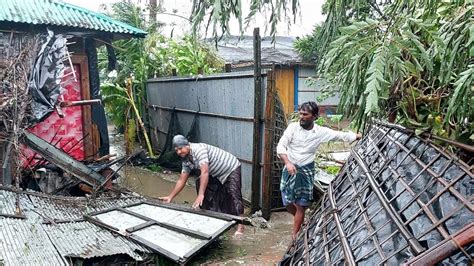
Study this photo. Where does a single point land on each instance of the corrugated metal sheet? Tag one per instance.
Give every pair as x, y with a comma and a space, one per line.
7, 202
31, 242
50, 12
229, 94
24, 242
195, 222
71, 208
311, 91
119, 220
86, 240
171, 241
238, 50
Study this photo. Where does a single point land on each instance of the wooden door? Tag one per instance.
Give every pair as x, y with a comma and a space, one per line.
285, 84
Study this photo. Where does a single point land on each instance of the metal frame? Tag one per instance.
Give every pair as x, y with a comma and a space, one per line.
374, 184
129, 232
241, 74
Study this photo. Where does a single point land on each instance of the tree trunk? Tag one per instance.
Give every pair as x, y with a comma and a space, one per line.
153, 9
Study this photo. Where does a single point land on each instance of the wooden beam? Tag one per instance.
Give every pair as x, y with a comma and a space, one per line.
256, 174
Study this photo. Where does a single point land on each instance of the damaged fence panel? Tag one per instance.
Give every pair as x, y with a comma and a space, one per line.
398, 199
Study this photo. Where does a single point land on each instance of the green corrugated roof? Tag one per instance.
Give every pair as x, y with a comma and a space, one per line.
50, 12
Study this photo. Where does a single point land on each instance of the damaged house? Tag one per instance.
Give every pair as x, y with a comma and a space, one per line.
54, 150
66, 110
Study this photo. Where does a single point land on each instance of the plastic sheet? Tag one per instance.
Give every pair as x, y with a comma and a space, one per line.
168, 157
45, 78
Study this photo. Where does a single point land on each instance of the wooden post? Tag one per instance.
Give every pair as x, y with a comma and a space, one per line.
268, 146
256, 174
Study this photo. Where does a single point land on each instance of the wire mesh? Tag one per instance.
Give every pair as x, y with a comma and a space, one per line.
280, 124
397, 197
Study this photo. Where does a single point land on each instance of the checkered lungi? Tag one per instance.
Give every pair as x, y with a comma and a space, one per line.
298, 188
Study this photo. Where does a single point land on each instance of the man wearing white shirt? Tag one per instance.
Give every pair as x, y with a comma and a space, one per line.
297, 148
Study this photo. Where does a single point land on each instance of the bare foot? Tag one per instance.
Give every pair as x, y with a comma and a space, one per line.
240, 231
238, 235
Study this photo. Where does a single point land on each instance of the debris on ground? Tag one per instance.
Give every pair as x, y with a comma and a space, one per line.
258, 220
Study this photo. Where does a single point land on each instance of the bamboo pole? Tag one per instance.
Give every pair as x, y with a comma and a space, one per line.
137, 114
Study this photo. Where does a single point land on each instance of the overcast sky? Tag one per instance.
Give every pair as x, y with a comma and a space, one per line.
310, 14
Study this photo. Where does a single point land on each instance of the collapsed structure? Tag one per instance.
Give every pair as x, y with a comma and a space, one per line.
398, 199
54, 147
50, 81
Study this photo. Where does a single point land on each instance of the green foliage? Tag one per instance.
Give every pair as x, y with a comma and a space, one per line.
305, 46
409, 61
217, 14
154, 167
141, 59
331, 169
321, 121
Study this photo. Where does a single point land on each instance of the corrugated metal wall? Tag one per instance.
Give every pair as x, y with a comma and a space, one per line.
311, 93
305, 91
226, 94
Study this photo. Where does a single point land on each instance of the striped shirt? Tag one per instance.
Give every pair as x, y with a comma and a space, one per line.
221, 163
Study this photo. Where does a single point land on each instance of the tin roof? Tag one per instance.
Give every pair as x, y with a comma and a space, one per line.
73, 208
238, 51
52, 230
23, 242
56, 13
74, 240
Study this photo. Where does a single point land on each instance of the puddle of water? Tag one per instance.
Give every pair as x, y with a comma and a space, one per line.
153, 184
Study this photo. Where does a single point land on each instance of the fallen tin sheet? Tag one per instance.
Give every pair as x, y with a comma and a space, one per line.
175, 232
85, 240
398, 199
50, 230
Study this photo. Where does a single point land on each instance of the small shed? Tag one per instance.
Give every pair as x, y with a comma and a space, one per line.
292, 73
84, 126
